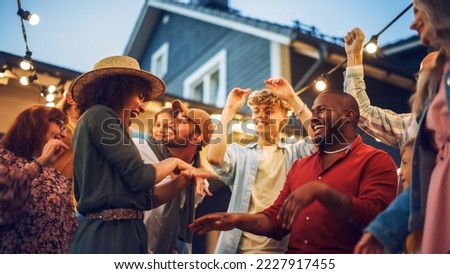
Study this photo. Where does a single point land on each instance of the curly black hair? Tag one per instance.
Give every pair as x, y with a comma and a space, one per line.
111, 91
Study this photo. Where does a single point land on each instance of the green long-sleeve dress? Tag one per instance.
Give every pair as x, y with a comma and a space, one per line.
108, 174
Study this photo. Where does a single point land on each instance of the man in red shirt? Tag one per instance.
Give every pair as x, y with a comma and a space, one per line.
328, 197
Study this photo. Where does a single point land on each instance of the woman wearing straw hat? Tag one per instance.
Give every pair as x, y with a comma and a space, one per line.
112, 185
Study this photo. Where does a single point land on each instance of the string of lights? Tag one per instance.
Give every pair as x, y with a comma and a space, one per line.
371, 47
320, 83
27, 62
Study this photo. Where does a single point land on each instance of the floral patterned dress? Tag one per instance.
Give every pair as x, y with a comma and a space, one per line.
47, 220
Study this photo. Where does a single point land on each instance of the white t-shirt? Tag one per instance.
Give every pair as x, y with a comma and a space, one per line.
152, 218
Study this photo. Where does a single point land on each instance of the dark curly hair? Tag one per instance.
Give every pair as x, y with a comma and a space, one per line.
110, 91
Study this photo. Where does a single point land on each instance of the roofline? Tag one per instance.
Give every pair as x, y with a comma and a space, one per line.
307, 45
273, 36
142, 29
378, 71
402, 47
40, 67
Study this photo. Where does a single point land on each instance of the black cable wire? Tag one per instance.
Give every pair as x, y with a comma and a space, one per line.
393, 20
325, 75
33, 74
24, 32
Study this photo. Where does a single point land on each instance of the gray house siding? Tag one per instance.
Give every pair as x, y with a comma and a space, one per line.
192, 43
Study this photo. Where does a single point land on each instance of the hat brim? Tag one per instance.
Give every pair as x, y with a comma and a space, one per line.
177, 105
156, 85
198, 116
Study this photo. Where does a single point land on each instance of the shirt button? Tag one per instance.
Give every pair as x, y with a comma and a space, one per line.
307, 218
306, 242
319, 178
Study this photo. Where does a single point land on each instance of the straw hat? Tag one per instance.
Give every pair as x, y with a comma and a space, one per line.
199, 117
118, 65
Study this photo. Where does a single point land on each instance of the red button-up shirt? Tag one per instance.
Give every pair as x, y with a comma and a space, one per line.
366, 174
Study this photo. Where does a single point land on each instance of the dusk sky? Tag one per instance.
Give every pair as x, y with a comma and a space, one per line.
74, 34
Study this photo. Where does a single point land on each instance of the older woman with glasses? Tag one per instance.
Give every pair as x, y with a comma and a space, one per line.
36, 209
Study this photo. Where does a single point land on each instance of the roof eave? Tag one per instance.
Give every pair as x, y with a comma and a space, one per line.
142, 32
284, 39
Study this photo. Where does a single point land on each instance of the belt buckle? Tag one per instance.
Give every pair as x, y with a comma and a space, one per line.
107, 215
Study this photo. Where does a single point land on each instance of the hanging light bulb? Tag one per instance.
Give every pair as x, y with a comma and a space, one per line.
25, 65
51, 89
24, 80
33, 19
26, 62
50, 97
321, 84
372, 46
50, 104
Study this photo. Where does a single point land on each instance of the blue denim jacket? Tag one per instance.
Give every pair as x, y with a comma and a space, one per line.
391, 227
238, 171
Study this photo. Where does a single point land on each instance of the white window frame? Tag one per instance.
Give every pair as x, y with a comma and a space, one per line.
163, 53
217, 63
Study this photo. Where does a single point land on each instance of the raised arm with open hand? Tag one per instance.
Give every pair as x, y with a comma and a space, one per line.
216, 150
236, 99
282, 89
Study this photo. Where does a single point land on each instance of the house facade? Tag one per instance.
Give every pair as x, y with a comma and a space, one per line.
202, 49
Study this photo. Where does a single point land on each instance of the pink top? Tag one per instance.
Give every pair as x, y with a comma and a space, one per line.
436, 237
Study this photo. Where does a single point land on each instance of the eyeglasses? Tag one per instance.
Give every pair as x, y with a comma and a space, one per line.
416, 75
60, 123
